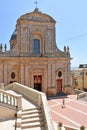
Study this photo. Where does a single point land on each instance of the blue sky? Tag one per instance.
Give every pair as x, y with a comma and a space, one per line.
71, 23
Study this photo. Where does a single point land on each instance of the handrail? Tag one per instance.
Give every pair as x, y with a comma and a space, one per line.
46, 113
27, 92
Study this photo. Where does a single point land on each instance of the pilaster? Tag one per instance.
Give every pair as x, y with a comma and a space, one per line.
53, 75
66, 75
44, 84
1, 73
26, 76
49, 75
22, 73
69, 73
5, 74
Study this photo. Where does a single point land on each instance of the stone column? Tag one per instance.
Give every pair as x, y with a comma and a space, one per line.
19, 102
29, 78
26, 76
69, 74
1, 73
44, 81
22, 73
49, 75
5, 74
18, 46
28, 40
32, 79
53, 75
65, 76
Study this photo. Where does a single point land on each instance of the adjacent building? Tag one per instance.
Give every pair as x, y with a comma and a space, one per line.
79, 77
34, 59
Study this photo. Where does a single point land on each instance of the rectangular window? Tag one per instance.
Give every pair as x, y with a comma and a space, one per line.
36, 46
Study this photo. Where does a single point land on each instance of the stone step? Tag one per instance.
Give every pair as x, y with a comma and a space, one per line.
32, 125
31, 120
31, 109
31, 112
36, 128
35, 115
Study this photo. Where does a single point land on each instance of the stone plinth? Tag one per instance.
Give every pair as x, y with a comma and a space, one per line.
52, 91
1, 85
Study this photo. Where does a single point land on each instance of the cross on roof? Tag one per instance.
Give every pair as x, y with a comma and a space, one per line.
36, 3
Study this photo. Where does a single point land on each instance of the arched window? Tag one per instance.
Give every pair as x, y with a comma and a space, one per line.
36, 46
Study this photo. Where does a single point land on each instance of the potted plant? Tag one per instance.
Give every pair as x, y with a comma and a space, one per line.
60, 125
82, 127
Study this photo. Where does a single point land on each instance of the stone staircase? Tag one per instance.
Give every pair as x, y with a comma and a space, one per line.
32, 111
32, 119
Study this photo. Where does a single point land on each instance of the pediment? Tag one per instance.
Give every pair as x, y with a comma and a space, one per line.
37, 16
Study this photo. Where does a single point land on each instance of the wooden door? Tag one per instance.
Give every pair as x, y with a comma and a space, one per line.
59, 85
38, 82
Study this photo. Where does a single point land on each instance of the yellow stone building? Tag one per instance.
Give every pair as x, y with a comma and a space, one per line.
34, 59
79, 77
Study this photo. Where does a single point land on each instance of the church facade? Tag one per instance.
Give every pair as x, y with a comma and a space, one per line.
34, 59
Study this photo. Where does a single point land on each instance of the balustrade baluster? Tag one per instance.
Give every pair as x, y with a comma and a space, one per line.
5, 100
0, 97
14, 101
10, 100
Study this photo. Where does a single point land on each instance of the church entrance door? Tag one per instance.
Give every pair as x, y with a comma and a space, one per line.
59, 85
12, 81
38, 82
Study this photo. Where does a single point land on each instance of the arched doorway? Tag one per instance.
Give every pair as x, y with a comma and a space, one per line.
38, 82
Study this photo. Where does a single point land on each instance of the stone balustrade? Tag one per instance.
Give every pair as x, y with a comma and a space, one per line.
81, 95
77, 91
27, 92
10, 99
46, 113
70, 128
36, 97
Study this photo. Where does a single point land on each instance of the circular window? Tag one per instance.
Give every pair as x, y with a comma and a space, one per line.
13, 75
59, 73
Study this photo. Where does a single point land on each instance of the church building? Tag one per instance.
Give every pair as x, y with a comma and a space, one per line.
34, 59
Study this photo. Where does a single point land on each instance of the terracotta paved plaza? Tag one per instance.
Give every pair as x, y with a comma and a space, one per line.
74, 114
